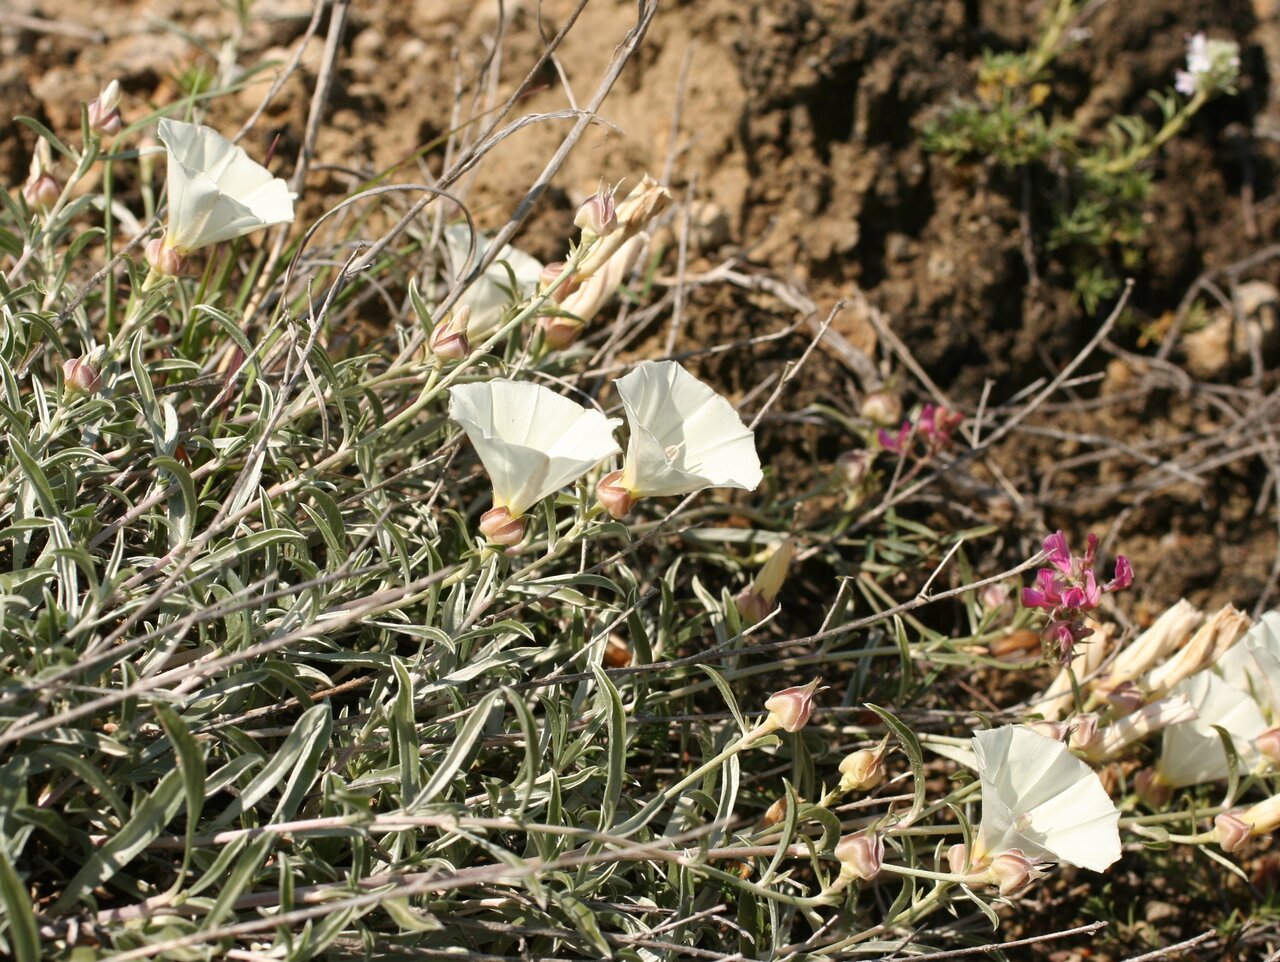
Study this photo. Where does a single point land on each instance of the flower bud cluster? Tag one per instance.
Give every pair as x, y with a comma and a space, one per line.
934, 426
1213, 67
1069, 590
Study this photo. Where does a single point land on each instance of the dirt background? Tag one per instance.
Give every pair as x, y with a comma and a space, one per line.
789, 131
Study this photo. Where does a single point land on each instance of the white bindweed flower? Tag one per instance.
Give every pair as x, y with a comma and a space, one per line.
1253, 664
531, 441
684, 436
216, 191
1192, 752
498, 288
1041, 801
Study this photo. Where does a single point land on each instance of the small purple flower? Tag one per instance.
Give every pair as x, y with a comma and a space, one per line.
897, 443
1059, 552
1046, 594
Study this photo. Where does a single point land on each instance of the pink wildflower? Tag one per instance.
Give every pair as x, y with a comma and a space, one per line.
1070, 589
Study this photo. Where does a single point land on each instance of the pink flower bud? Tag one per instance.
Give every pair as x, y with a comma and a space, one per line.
863, 770
79, 376
448, 340
164, 259
104, 112
613, 497
752, 608
1012, 871
500, 527
42, 190
791, 708
861, 856
597, 215
559, 332
1232, 831
1268, 743
1151, 788
958, 859
550, 274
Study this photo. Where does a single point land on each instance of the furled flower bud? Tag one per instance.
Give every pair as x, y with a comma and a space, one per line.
558, 332
1268, 743
79, 376
861, 856
1084, 732
448, 340
1125, 699
863, 770
164, 259
791, 708
597, 215
1122, 733
758, 598
104, 111
994, 596
41, 191
854, 466
958, 859
881, 408
1232, 831
646, 201
550, 274
775, 813
500, 527
1012, 871
613, 497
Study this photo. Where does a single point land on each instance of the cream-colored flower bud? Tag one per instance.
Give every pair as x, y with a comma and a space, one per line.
861, 856
1264, 817
1231, 830
597, 215
882, 408
1084, 732
1223, 629
104, 111
79, 376
614, 498
448, 340
1012, 871
500, 527
854, 467
775, 813
1170, 632
643, 204
791, 708
166, 260
863, 770
42, 191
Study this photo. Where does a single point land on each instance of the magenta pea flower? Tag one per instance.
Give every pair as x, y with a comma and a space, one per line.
1070, 589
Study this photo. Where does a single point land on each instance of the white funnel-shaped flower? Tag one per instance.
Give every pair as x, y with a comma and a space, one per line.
684, 436
531, 441
1253, 664
216, 191
494, 291
1039, 799
1192, 752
